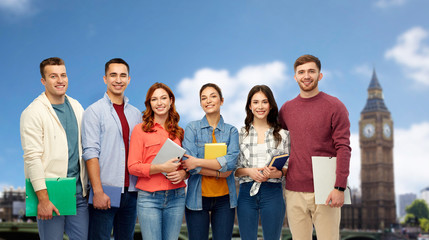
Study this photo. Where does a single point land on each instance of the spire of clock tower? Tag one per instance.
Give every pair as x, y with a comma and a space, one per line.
375, 101
377, 176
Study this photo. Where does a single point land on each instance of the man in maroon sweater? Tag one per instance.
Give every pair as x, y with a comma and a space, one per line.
319, 126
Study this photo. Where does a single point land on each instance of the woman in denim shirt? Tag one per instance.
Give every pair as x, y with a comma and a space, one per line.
261, 191
211, 197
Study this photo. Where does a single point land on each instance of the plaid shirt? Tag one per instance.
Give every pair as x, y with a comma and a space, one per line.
248, 157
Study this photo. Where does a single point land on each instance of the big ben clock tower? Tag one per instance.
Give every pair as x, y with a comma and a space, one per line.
376, 143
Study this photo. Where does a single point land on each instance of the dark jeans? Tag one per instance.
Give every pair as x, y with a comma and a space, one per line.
268, 204
217, 212
122, 219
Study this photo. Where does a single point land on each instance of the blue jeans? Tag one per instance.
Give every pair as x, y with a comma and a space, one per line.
217, 212
268, 203
75, 226
122, 219
161, 213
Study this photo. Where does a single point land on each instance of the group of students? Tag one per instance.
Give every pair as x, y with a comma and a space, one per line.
113, 145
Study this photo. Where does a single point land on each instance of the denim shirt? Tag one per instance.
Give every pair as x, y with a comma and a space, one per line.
102, 139
197, 133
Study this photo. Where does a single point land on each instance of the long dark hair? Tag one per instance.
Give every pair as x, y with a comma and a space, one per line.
272, 117
172, 123
212, 85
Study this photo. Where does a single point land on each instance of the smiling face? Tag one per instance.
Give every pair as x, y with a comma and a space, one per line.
160, 103
260, 106
210, 100
56, 82
307, 76
116, 79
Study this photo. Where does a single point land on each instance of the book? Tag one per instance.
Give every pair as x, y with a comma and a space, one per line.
324, 175
113, 192
169, 150
214, 150
279, 161
61, 192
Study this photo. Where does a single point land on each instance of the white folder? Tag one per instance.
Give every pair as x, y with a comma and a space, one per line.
324, 179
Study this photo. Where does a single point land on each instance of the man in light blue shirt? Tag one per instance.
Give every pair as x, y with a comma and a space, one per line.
106, 130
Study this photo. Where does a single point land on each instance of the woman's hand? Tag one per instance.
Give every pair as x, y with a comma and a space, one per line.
225, 174
272, 172
176, 176
190, 163
256, 175
170, 166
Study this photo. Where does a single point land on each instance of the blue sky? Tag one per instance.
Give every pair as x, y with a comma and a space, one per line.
236, 44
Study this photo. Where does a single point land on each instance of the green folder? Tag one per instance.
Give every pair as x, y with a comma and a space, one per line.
61, 192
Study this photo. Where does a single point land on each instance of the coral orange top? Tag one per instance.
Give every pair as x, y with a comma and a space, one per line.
143, 148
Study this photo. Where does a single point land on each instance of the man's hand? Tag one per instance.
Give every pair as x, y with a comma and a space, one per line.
44, 210
335, 198
101, 201
45, 206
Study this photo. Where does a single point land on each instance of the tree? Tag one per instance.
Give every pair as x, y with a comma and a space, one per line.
410, 220
419, 209
424, 224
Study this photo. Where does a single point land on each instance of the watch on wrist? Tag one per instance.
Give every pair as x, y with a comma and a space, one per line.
340, 189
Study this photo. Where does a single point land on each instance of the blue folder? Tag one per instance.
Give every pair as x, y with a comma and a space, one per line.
113, 192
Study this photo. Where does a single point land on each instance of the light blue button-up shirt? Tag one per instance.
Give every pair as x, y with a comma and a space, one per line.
102, 139
198, 133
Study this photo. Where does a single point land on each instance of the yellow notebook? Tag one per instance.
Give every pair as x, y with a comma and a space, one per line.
214, 150
212, 186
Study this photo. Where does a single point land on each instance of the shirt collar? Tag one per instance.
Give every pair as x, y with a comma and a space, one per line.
252, 128
106, 97
220, 125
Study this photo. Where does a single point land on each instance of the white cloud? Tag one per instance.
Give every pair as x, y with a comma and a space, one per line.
17, 7
354, 177
410, 159
234, 89
331, 75
364, 70
389, 3
412, 53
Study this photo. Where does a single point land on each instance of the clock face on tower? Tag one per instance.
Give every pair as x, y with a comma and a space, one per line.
368, 130
386, 130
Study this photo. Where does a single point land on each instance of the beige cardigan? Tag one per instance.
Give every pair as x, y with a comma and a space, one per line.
44, 142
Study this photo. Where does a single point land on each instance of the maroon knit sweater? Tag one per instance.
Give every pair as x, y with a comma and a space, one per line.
318, 126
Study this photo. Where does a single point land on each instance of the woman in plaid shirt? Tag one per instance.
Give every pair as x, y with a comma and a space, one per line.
261, 191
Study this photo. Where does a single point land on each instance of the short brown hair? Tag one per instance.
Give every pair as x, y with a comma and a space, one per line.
116, 60
50, 61
305, 59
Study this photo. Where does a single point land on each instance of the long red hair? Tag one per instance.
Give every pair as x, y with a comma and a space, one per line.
172, 122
